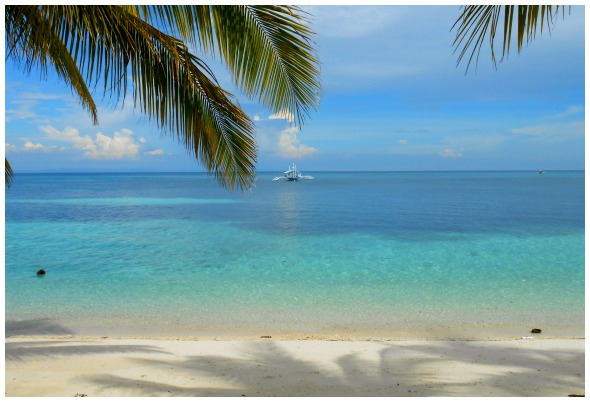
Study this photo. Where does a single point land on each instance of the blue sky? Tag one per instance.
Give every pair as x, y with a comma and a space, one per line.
393, 99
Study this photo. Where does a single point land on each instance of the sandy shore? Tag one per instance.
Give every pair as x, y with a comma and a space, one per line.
84, 366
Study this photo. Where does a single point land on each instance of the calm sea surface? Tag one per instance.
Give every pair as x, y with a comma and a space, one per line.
386, 254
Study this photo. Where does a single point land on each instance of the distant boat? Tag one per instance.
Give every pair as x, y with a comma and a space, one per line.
541, 171
292, 174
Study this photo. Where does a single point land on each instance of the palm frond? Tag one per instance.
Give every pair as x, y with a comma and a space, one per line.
8, 173
111, 45
275, 61
268, 49
476, 23
180, 92
32, 40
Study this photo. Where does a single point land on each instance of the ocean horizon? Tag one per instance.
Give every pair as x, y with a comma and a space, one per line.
454, 254
279, 171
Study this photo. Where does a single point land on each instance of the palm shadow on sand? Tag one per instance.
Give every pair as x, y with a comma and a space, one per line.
267, 369
40, 326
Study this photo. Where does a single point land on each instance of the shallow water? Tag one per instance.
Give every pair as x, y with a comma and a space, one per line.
346, 253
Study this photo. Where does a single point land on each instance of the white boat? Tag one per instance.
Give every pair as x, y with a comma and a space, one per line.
292, 174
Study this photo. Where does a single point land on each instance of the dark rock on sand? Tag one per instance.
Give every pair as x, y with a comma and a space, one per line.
535, 331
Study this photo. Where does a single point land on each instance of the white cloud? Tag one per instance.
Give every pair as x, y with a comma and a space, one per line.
256, 118
450, 146
450, 153
121, 145
556, 132
282, 115
353, 21
142, 140
155, 152
69, 135
23, 110
23, 107
570, 111
40, 96
289, 146
474, 143
29, 146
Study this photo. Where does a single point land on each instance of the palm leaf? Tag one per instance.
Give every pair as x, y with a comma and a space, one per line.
267, 48
275, 61
112, 45
8, 173
476, 23
31, 40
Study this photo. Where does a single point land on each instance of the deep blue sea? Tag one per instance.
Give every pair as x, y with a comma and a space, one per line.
420, 254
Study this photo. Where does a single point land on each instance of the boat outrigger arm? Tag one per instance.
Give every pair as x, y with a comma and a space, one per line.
292, 175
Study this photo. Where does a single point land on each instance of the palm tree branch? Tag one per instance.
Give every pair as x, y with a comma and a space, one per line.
475, 22
226, 142
180, 92
473, 28
8, 173
273, 60
267, 48
112, 44
32, 39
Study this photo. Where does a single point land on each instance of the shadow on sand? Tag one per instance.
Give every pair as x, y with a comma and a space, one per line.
24, 349
41, 326
267, 369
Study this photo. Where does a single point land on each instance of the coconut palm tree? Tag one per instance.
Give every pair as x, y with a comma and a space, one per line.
154, 51
476, 23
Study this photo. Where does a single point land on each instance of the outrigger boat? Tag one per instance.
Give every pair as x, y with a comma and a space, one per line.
292, 175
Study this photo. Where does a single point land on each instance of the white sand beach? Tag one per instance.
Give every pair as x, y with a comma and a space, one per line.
93, 366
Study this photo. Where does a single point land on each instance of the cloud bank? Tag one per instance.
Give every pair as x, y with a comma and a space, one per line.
282, 115
450, 153
155, 152
289, 146
121, 145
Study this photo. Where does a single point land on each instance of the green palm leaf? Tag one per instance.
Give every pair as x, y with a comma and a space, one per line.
275, 62
478, 23
267, 49
8, 173
32, 40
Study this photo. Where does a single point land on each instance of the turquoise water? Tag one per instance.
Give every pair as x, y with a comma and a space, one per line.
387, 254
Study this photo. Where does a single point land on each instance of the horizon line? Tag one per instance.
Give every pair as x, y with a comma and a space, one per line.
311, 170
